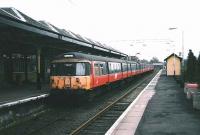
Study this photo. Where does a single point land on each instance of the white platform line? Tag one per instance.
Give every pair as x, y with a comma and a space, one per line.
114, 126
23, 100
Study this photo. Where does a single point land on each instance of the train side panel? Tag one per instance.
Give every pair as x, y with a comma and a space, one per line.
115, 77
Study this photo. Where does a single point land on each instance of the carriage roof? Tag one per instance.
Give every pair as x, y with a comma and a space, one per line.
77, 55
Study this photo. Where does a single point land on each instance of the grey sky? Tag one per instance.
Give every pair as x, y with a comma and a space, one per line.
143, 24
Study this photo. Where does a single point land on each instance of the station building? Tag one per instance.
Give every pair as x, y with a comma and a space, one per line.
173, 65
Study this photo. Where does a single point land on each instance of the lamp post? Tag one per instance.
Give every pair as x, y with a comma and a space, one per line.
137, 53
182, 38
174, 54
174, 61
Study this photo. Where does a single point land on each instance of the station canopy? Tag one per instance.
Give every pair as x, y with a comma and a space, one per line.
19, 31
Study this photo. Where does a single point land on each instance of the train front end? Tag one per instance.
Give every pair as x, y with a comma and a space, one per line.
70, 74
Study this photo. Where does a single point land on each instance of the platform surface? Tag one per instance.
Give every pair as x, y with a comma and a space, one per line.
13, 94
161, 109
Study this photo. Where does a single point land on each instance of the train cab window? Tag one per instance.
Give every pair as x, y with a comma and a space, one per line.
80, 69
61, 69
70, 69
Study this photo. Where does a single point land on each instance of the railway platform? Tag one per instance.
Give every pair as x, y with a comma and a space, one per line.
16, 95
160, 109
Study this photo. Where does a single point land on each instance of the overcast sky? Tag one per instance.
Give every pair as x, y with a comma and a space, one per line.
131, 26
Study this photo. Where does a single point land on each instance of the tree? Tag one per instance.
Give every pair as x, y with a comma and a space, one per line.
144, 61
154, 60
191, 67
198, 70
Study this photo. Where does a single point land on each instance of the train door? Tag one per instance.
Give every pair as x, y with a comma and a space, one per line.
100, 74
129, 70
124, 70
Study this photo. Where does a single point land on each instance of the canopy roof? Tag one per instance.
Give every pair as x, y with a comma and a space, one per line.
12, 20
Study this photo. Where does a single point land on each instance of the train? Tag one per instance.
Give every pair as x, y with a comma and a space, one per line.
75, 71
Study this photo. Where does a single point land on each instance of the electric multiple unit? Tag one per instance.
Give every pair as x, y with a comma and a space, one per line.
77, 71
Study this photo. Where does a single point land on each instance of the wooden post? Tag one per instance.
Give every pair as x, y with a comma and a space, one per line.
42, 67
9, 68
38, 68
26, 68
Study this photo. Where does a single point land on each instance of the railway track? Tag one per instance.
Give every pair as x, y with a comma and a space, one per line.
103, 120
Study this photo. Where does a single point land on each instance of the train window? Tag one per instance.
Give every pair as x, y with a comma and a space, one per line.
119, 67
100, 69
114, 67
129, 67
103, 68
96, 69
87, 69
124, 67
133, 66
110, 68
138, 66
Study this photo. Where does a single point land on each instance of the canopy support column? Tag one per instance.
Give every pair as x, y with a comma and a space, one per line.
39, 86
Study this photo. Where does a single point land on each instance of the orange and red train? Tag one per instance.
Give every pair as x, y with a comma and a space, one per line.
78, 71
